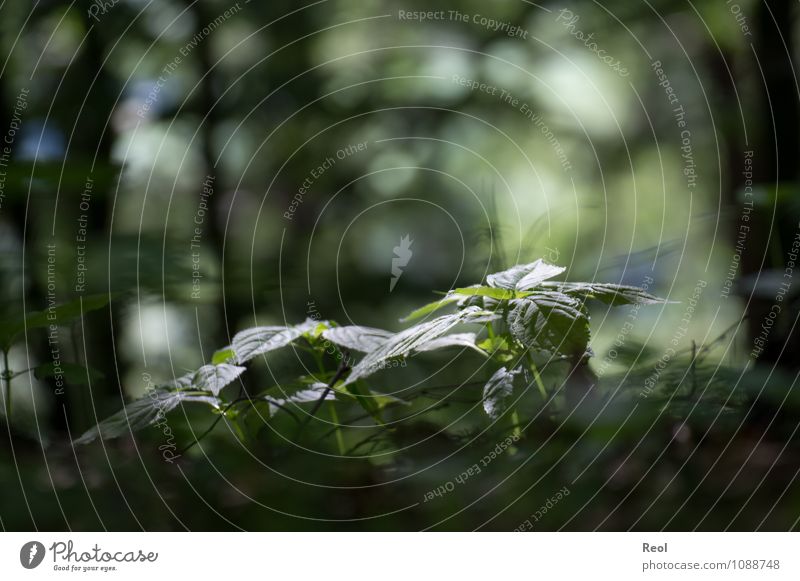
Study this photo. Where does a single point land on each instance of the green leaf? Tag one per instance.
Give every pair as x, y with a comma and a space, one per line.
499, 388
429, 308
500, 294
56, 315
550, 322
256, 341
214, 378
143, 412
610, 294
404, 342
524, 276
362, 339
497, 347
455, 340
72, 373
312, 394
223, 356
254, 418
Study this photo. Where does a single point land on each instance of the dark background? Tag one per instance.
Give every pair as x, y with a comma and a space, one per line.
256, 100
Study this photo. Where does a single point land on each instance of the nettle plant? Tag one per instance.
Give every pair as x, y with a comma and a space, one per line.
522, 314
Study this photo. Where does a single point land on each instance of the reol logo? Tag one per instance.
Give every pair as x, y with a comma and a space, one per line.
31, 554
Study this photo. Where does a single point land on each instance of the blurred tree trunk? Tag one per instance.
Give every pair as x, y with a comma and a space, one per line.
91, 144
776, 167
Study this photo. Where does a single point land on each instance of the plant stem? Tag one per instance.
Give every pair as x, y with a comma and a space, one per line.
515, 421
7, 381
335, 420
536, 376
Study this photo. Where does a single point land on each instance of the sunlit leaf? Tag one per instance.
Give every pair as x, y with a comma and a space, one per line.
214, 378
143, 412
487, 291
404, 342
610, 294
524, 276
550, 322
256, 341
454, 340
363, 339
312, 394
499, 388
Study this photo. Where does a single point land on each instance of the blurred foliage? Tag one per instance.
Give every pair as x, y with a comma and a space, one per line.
197, 165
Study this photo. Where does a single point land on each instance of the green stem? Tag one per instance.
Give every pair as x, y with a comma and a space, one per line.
536, 376
7, 381
331, 407
335, 420
517, 428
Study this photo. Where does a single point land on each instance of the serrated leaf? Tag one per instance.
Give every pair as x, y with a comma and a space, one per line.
312, 394
610, 294
214, 378
143, 412
256, 341
362, 339
499, 387
550, 322
182, 382
404, 342
524, 277
454, 340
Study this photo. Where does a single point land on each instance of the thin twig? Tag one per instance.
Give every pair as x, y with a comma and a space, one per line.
228, 407
343, 368
211, 427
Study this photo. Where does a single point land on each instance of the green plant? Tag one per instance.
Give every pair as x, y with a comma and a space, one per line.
521, 313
